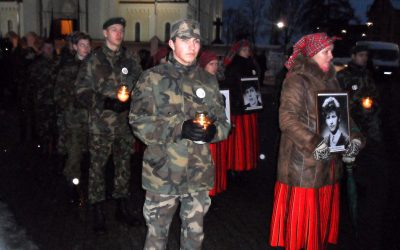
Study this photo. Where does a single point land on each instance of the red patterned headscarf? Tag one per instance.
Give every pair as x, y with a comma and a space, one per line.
235, 49
310, 45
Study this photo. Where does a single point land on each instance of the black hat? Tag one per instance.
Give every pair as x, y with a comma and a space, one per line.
114, 20
358, 48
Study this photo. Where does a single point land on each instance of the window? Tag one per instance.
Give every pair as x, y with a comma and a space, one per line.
10, 25
167, 33
66, 27
137, 32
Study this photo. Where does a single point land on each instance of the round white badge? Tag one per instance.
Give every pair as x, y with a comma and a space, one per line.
124, 71
354, 87
200, 93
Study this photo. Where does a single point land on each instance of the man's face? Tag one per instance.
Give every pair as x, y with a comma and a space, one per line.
114, 35
185, 50
360, 58
82, 48
212, 67
48, 50
251, 96
332, 120
324, 58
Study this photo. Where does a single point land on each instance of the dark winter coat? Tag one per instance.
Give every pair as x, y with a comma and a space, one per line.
240, 67
359, 83
298, 123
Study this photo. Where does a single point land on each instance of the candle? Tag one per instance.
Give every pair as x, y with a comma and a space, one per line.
367, 102
202, 119
123, 93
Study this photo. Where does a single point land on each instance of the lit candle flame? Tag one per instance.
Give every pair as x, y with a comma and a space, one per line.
123, 93
202, 119
367, 102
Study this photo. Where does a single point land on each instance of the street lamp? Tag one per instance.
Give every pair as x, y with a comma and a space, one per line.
369, 24
282, 26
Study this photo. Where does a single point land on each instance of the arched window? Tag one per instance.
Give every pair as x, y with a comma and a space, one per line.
10, 25
167, 32
137, 32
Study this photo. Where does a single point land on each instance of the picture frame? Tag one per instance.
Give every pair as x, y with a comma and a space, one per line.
251, 94
333, 119
227, 102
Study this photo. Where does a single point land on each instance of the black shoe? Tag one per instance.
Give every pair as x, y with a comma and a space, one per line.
99, 220
123, 215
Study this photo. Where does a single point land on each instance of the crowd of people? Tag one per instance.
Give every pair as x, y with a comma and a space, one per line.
107, 101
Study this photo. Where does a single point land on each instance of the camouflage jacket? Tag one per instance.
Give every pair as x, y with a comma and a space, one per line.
42, 75
100, 77
163, 99
360, 84
65, 94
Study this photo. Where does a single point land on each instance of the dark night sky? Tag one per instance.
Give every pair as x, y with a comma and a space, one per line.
360, 7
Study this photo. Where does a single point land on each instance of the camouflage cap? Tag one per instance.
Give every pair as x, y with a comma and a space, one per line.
185, 28
114, 20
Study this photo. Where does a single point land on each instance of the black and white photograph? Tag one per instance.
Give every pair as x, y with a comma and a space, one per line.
227, 102
333, 119
251, 94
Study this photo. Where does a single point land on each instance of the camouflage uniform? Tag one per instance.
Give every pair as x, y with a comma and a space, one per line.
109, 133
74, 118
43, 72
175, 169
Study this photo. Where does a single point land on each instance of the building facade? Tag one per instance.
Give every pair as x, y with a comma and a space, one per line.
145, 18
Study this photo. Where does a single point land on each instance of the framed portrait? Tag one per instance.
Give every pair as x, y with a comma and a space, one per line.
333, 122
251, 94
227, 103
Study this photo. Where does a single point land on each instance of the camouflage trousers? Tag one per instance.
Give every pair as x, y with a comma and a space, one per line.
158, 211
100, 148
76, 143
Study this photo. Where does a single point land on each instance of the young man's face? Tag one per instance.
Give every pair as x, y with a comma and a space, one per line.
114, 35
332, 121
185, 50
360, 58
82, 48
48, 50
251, 96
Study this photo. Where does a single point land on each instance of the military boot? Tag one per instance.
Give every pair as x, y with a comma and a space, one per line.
99, 220
123, 215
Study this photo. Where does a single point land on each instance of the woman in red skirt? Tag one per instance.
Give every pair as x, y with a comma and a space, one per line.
243, 141
209, 61
306, 200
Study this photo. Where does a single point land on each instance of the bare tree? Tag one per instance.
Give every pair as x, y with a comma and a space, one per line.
254, 10
235, 25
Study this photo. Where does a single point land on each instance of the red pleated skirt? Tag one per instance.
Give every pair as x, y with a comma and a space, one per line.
243, 143
305, 218
219, 155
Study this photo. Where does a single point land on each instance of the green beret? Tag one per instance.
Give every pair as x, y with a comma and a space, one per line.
114, 20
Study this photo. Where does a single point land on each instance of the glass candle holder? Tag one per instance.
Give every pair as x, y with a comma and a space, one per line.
202, 119
367, 102
123, 93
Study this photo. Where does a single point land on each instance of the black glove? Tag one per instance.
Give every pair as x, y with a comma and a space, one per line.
193, 131
115, 105
210, 133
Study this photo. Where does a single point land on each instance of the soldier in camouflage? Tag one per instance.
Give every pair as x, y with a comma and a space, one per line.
176, 168
42, 75
107, 70
75, 118
371, 176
